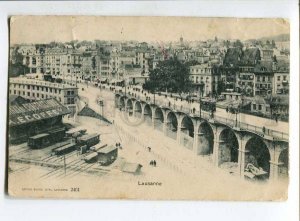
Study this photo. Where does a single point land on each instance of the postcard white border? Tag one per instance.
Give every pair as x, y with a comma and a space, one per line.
12, 209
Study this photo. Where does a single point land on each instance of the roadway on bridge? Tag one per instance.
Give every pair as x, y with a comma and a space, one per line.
271, 124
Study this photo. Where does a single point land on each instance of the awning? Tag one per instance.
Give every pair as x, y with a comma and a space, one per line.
35, 111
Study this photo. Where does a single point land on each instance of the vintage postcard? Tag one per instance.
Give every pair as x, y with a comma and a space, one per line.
155, 108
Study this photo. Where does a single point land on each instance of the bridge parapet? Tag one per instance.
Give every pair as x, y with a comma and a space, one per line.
266, 133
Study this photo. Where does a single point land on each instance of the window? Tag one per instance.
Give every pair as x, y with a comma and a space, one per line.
278, 78
24, 93
37, 88
259, 107
264, 79
28, 87
38, 95
15, 92
28, 93
33, 87
258, 78
284, 77
42, 96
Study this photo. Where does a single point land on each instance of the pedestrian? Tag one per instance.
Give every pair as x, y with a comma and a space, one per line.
264, 129
149, 149
154, 163
151, 163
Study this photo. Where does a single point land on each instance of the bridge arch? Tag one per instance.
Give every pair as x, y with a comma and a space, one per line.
172, 125
148, 114
117, 100
187, 132
258, 154
228, 150
137, 109
205, 139
122, 103
129, 106
283, 163
158, 119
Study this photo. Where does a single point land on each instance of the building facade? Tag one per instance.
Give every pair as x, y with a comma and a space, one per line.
32, 89
204, 81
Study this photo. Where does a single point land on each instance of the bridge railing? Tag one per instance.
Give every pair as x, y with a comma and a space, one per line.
223, 120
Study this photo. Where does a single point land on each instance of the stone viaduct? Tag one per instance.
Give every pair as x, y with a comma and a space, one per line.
223, 139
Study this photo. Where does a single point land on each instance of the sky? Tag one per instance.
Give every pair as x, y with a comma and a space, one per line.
44, 29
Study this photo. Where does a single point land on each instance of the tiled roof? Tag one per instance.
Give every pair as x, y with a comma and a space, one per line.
264, 67
250, 56
282, 66
232, 56
34, 111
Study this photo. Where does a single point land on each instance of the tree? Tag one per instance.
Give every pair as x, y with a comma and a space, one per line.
16, 66
191, 63
17, 69
16, 57
273, 44
238, 44
169, 75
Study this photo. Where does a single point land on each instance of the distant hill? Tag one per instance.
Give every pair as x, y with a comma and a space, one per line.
276, 38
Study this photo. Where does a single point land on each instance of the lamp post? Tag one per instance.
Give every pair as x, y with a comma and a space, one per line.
236, 120
200, 96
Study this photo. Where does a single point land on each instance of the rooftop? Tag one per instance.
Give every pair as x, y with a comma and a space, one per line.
35, 111
26, 81
264, 67
232, 56
107, 149
250, 56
